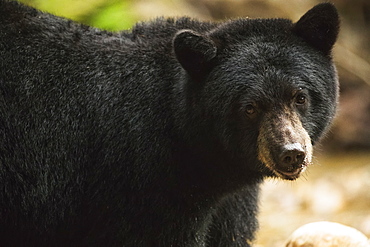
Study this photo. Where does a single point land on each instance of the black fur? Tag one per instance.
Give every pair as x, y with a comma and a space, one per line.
140, 138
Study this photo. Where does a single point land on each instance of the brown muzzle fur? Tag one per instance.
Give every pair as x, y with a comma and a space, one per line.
284, 146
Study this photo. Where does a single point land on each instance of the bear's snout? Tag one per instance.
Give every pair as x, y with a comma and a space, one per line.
284, 146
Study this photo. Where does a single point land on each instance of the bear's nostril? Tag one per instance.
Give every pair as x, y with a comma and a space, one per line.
287, 159
300, 157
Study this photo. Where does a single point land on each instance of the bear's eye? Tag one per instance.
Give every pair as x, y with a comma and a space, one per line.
300, 99
250, 109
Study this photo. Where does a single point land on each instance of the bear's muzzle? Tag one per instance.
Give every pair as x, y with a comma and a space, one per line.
284, 146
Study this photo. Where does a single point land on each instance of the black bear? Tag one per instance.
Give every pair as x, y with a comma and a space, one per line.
158, 136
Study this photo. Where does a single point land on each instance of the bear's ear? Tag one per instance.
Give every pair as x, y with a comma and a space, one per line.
194, 52
319, 27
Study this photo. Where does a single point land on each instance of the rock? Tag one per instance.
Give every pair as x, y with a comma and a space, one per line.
327, 234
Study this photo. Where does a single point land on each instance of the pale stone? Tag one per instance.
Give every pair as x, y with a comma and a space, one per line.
327, 234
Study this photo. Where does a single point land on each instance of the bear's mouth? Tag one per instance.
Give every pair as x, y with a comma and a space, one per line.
291, 173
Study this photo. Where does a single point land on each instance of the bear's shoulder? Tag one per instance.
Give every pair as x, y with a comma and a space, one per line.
163, 28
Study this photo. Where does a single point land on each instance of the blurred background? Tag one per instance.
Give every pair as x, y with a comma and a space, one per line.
337, 186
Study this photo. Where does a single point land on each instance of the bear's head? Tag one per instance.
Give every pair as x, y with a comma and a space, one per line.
263, 90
